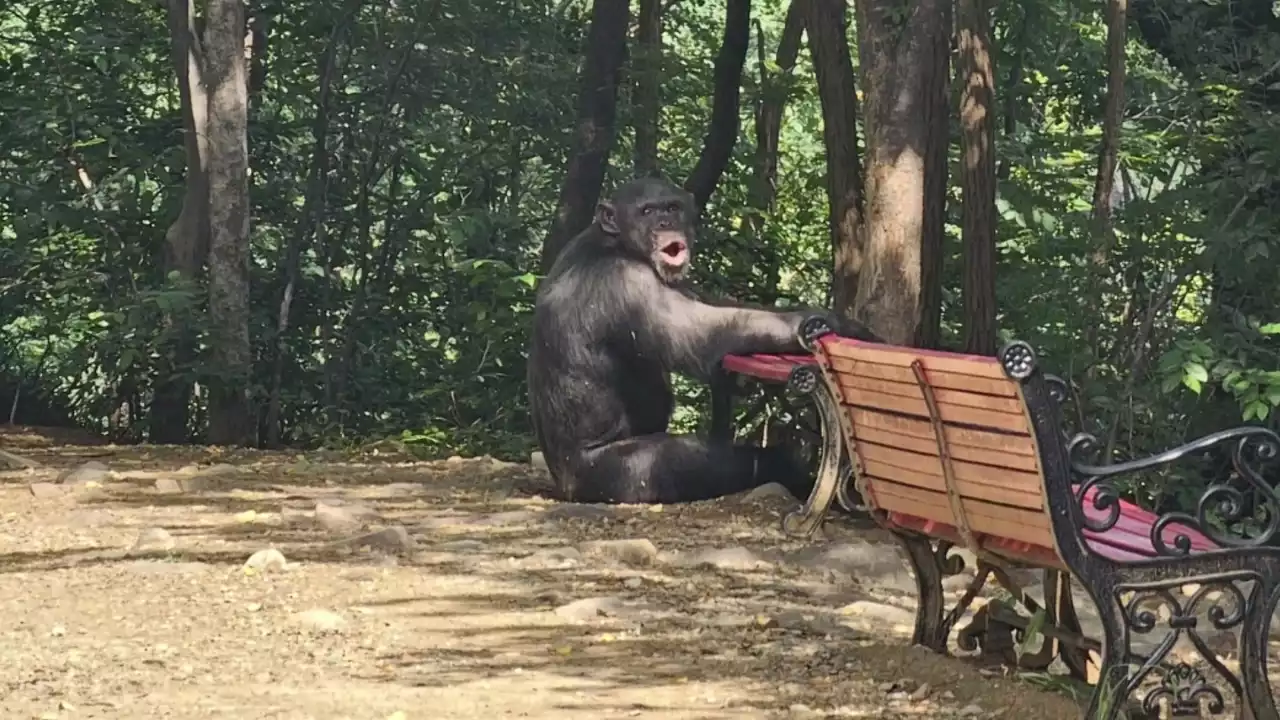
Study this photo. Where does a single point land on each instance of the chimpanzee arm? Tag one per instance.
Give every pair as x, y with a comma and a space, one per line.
691, 337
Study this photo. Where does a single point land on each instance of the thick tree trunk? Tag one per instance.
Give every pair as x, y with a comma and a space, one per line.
933, 235
231, 356
187, 239
977, 121
827, 24
597, 111
647, 61
896, 64
722, 132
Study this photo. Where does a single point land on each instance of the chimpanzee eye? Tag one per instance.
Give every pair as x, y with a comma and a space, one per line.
673, 208
648, 210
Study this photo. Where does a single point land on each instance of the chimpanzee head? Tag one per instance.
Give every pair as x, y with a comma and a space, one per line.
653, 222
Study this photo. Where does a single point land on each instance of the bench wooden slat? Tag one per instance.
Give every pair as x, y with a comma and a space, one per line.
938, 378
995, 442
993, 460
767, 367
975, 365
1010, 487
984, 518
951, 414
944, 396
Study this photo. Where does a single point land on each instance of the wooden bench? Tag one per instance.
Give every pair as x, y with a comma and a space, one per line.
950, 450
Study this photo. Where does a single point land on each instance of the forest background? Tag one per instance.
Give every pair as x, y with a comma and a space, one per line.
323, 223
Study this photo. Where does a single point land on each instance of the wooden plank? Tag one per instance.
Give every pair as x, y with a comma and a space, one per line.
1013, 444
961, 398
1007, 486
950, 413
984, 518
995, 460
975, 365
1015, 550
936, 378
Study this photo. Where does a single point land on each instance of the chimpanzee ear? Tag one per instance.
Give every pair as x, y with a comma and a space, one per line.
607, 217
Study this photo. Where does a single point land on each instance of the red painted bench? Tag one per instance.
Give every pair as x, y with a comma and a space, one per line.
950, 450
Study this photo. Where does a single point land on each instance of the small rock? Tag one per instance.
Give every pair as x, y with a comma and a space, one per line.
633, 582
921, 692
268, 560
338, 519
590, 608
579, 512
634, 551
800, 710
971, 711
538, 461
730, 558
394, 539
769, 491
92, 471
561, 557
320, 621
454, 459
153, 540
874, 564
58, 631
879, 613
168, 485
45, 491
461, 546
218, 469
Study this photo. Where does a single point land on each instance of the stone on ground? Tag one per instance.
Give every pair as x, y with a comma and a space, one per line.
633, 551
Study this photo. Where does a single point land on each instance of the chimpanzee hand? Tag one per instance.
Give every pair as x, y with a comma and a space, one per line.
850, 328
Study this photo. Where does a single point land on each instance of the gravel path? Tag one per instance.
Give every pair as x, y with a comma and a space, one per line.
180, 583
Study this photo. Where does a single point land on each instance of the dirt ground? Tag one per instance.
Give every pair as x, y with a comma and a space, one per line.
437, 590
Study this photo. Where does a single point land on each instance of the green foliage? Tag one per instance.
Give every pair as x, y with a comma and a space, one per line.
445, 139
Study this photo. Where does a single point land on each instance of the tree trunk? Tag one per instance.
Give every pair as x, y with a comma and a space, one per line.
597, 111
187, 239
1108, 155
769, 108
313, 205
722, 131
231, 355
977, 121
828, 42
648, 101
933, 235
1112, 116
896, 63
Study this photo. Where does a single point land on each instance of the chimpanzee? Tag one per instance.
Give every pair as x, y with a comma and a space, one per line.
613, 318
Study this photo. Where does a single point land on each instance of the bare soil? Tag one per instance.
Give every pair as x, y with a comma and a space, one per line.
125, 595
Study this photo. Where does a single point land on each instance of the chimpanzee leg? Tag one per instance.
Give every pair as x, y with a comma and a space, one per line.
663, 468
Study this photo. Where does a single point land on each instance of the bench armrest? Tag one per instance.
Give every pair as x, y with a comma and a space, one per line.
1246, 495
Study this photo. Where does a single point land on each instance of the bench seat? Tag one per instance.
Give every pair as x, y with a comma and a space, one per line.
948, 449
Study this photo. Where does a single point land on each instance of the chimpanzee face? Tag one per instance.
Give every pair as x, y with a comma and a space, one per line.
654, 222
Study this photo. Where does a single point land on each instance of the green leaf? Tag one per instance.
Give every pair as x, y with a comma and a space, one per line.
1197, 372
1270, 329
1191, 383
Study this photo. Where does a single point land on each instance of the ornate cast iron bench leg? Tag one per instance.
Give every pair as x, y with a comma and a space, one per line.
808, 380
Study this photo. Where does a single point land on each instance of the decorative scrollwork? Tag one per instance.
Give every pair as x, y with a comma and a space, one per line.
1095, 490
803, 380
1224, 508
1224, 604
812, 329
1058, 388
1183, 688
949, 564
1018, 359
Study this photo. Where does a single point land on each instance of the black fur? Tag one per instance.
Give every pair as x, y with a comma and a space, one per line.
612, 321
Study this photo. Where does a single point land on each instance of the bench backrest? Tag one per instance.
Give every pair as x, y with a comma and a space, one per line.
940, 436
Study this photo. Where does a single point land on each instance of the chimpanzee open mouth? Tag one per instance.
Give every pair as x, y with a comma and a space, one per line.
674, 251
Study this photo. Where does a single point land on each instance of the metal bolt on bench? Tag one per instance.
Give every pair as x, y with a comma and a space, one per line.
949, 450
